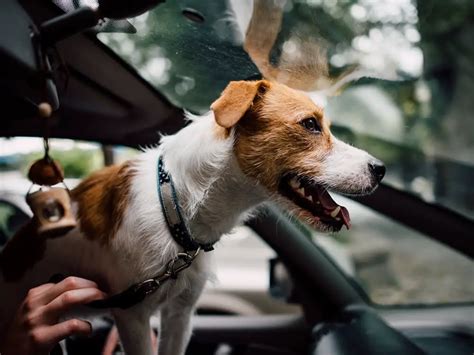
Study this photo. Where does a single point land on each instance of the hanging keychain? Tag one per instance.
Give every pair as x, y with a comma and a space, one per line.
51, 205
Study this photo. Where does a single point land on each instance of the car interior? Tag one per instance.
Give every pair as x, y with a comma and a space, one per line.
100, 96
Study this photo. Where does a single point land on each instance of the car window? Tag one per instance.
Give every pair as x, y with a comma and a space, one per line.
411, 107
396, 265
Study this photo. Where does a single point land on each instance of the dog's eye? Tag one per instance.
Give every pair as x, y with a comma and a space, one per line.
311, 125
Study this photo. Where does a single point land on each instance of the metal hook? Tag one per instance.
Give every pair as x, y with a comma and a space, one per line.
174, 268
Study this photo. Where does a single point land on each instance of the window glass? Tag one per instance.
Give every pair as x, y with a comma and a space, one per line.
396, 265
411, 106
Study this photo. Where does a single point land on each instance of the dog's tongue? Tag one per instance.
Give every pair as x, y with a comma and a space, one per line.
329, 204
345, 217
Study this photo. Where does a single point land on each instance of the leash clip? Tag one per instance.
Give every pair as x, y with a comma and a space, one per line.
180, 262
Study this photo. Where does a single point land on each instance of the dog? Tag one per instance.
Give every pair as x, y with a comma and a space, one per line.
261, 141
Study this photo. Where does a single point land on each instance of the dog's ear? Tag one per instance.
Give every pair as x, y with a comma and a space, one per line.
234, 101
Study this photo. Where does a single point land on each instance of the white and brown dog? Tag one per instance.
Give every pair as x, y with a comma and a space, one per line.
261, 141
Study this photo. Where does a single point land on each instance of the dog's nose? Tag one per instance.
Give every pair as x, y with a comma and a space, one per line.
377, 169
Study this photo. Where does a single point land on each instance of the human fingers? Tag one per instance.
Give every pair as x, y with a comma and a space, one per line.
35, 297
47, 336
69, 299
69, 283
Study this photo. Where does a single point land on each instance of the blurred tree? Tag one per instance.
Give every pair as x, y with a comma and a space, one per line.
76, 162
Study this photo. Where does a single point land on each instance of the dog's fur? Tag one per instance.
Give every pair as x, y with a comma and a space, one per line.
224, 165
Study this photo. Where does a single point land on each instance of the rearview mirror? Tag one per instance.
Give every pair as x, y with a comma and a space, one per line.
85, 17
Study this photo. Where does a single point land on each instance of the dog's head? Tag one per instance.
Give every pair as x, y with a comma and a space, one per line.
284, 142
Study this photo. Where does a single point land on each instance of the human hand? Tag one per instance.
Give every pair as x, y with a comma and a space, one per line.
35, 328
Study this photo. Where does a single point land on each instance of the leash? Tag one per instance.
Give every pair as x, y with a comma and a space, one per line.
180, 262
138, 292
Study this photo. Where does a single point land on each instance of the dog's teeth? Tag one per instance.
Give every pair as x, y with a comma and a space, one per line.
338, 219
294, 184
301, 191
310, 198
335, 212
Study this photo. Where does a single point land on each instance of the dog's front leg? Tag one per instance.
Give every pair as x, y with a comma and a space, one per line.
134, 331
175, 330
175, 327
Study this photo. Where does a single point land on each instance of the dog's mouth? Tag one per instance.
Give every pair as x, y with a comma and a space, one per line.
316, 200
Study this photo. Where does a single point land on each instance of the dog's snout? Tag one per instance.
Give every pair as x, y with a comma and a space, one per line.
377, 169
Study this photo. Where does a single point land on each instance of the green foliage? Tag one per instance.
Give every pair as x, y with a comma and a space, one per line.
76, 162
79, 163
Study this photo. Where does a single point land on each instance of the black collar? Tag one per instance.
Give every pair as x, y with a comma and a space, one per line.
172, 212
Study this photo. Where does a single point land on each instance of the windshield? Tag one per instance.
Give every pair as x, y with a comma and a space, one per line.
411, 105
